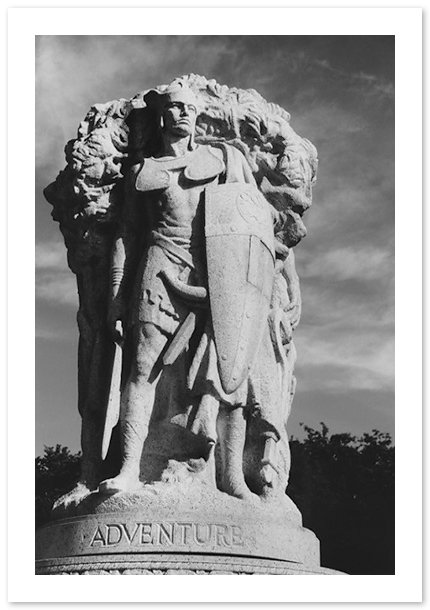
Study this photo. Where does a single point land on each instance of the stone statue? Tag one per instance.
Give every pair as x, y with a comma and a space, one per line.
180, 209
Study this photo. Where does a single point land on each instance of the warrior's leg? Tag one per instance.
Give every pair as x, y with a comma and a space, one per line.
136, 406
232, 433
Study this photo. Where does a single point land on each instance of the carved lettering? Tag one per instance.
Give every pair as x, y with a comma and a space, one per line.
145, 533
98, 537
200, 536
221, 535
236, 535
165, 533
183, 529
114, 534
130, 537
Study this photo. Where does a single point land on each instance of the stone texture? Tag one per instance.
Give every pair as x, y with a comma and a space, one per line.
180, 209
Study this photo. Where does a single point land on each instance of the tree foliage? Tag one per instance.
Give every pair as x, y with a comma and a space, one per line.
56, 472
344, 488
342, 484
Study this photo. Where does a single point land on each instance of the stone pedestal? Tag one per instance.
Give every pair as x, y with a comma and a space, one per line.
178, 530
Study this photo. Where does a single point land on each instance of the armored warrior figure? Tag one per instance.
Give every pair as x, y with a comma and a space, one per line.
170, 304
203, 294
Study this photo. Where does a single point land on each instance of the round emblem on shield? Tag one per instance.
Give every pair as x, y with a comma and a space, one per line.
252, 207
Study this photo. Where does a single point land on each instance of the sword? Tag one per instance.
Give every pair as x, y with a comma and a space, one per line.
180, 340
197, 294
113, 404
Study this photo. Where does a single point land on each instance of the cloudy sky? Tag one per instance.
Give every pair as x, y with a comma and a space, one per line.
339, 91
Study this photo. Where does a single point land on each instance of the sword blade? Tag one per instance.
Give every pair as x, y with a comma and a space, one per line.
180, 340
113, 404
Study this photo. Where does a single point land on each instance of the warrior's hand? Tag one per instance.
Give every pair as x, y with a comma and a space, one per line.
293, 312
118, 333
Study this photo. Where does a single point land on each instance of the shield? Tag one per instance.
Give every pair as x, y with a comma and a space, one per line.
241, 262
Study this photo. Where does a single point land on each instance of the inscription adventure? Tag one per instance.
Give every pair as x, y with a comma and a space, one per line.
167, 534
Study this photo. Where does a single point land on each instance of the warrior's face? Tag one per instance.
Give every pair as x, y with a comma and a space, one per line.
180, 113
180, 118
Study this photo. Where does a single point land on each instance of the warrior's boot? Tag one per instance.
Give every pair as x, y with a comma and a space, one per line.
133, 435
231, 434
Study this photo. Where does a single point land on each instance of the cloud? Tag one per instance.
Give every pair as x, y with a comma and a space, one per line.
348, 263
51, 255
371, 87
334, 308
57, 288
346, 338
353, 199
360, 362
55, 283
48, 334
355, 411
